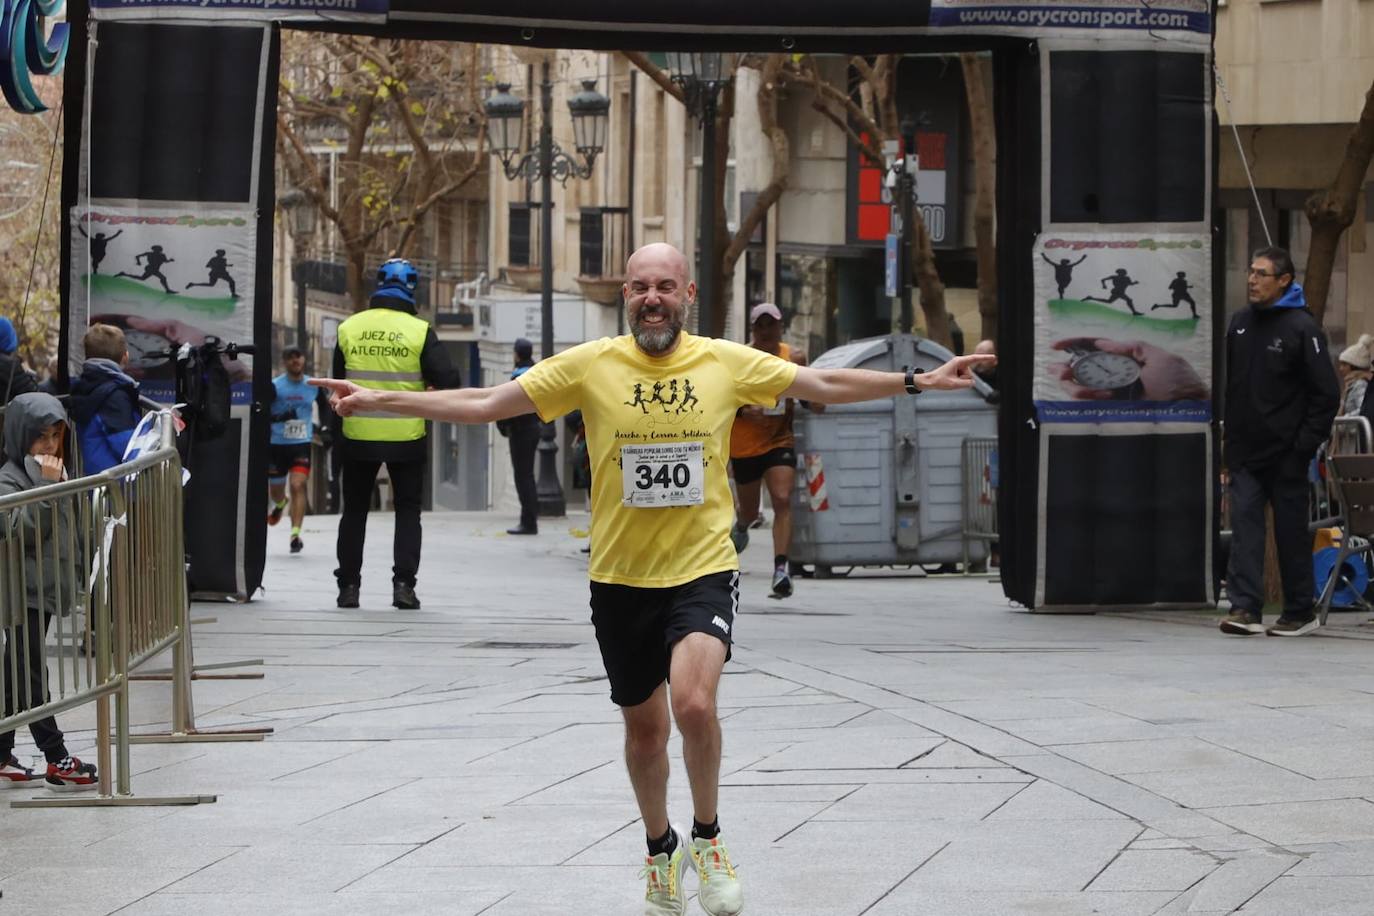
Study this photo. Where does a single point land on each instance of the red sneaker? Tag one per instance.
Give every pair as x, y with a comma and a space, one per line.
71, 775
13, 775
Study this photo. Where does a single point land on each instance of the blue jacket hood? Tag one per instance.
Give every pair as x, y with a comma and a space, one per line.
1292, 299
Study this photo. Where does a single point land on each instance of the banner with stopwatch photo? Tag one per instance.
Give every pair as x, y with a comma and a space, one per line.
1122, 327
166, 276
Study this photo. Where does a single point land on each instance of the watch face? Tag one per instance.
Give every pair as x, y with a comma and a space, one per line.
1105, 370
142, 343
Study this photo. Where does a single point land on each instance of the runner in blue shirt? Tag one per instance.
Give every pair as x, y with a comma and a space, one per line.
292, 430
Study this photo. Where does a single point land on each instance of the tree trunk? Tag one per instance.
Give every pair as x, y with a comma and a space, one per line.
782, 164
1273, 588
1331, 211
356, 274
720, 296
928, 281
984, 189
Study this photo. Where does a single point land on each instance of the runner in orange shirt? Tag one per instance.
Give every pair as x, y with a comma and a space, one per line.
762, 451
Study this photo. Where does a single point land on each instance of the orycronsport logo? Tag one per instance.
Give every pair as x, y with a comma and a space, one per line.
1096, 17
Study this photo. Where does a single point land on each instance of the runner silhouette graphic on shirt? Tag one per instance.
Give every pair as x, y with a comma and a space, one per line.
98, 243
1179, 288
1063, 271
688, 396
1121, 282
219, 270
153, 267
657, 396
638, 398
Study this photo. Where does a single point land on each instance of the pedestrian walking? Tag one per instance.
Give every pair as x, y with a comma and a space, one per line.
763, 451
523, 433
386, 348
1281, 396
664, 576
293, 430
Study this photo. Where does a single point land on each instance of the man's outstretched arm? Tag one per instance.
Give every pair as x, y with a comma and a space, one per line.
462, 405
845, 386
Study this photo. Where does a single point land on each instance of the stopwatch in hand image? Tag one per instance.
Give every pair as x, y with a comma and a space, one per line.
1103, 371
147, 350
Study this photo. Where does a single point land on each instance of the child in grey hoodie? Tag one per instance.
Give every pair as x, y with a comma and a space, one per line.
42, 539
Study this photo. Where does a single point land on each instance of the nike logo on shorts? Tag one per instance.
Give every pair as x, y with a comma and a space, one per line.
720, 623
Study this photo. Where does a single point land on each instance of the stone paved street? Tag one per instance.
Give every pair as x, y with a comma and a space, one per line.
894, 746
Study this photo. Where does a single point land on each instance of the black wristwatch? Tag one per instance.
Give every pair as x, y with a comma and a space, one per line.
910, 381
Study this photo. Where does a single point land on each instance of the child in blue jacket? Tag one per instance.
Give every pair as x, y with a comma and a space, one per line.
104, 400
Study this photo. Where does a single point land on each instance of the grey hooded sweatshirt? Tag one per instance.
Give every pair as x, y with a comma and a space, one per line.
43, 530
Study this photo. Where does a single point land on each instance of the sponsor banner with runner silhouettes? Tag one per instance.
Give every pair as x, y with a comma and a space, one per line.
1123, 328
166, 276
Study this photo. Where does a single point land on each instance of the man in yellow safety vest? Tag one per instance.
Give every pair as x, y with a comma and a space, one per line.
387, 348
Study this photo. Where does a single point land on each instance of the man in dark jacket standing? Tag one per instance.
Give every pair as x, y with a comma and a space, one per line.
386, 347
523, 432
1281, 397
14, 378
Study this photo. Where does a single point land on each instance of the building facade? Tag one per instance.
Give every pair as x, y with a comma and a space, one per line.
1294, 75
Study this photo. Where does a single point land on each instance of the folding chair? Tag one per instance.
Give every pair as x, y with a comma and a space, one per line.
1352, 477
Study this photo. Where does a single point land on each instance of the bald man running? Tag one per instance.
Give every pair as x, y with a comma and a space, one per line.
664, 575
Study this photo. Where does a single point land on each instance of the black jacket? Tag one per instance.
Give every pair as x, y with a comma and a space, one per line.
438, 372
1281, 388
24, 380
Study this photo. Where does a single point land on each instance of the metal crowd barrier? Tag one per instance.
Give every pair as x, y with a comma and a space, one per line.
1349, 436
113, 544
980, 473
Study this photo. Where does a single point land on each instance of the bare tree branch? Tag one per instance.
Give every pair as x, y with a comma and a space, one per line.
655, 73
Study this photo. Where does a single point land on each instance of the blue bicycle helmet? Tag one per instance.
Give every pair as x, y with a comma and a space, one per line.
398, 272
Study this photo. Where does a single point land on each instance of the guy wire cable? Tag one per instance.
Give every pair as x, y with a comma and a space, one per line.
38, 240
1240, 151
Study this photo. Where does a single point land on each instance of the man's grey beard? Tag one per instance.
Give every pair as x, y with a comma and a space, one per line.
659, 340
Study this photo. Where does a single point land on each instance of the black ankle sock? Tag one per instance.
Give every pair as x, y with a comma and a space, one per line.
664, 844
702, 831
780, 560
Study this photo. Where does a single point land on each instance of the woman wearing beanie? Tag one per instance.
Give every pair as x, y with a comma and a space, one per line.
1354, 366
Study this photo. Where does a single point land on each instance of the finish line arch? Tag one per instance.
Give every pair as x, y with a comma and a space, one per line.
1105, 164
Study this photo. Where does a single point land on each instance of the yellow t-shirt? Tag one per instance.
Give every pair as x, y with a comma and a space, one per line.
629, 398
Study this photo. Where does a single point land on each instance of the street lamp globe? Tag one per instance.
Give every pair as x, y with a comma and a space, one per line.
589, 110
708, 68
679, 65
301, 211
697, 70
505, 122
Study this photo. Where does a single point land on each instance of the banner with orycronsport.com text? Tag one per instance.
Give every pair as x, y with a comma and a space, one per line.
166, 277
1190, 19
1123, 328
351, 10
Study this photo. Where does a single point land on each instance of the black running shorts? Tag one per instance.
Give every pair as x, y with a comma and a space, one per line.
287, 459
748, 470
637, 628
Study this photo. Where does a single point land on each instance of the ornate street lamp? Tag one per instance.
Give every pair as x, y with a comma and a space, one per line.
505, 128
702, 75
